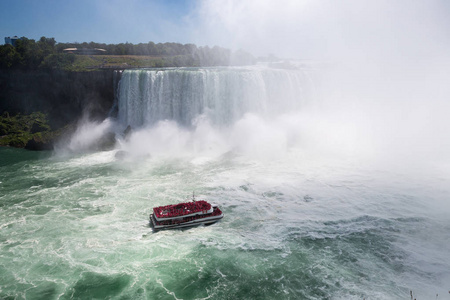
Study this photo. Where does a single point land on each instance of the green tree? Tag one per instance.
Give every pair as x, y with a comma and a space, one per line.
29, 53
62, 61
9, 57
46, 46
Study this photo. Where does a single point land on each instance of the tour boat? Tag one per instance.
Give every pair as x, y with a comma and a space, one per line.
185, 214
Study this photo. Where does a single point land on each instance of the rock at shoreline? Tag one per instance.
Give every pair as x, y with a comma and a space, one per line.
31, 131
37, 143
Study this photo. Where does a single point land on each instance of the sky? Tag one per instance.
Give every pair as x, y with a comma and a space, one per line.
324, 29
103, 21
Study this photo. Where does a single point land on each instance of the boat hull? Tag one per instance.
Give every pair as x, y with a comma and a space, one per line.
156, 225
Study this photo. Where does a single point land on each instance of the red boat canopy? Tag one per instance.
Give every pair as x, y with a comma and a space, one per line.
181, 209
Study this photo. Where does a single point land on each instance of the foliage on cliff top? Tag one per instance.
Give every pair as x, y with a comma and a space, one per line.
72, 62
47, 54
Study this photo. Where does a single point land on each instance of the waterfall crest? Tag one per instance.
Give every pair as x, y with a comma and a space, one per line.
223, 94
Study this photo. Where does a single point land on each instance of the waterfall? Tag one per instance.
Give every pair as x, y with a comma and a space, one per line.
222, 94
116, 79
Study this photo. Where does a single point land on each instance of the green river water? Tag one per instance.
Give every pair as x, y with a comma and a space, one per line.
76, 227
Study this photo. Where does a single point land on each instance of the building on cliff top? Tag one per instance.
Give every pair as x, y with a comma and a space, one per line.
85, 51
11, 40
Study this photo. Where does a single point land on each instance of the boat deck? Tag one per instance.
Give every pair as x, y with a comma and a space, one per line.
182, 210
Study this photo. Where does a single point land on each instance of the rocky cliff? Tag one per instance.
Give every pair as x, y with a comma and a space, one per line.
63, 96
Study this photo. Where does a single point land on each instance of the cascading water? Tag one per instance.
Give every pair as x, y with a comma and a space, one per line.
223, 94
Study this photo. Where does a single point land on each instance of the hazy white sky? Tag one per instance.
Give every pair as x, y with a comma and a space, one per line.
327, 28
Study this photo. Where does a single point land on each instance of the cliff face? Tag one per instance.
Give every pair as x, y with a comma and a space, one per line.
64, 96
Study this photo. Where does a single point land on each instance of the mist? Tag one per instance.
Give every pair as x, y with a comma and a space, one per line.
371, 31
381, 98
388, 64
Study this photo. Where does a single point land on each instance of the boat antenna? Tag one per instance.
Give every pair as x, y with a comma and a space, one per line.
193, 196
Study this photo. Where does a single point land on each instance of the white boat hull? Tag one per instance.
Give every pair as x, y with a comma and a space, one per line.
205, 221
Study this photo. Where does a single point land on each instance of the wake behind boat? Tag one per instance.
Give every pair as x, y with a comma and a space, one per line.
185, 214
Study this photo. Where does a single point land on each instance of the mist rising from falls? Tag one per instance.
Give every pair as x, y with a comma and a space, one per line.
88, 136
265, 113
224, 95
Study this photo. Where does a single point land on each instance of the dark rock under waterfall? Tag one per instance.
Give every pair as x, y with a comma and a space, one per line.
63, 96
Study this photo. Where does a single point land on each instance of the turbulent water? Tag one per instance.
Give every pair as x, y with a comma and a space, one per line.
302, 219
